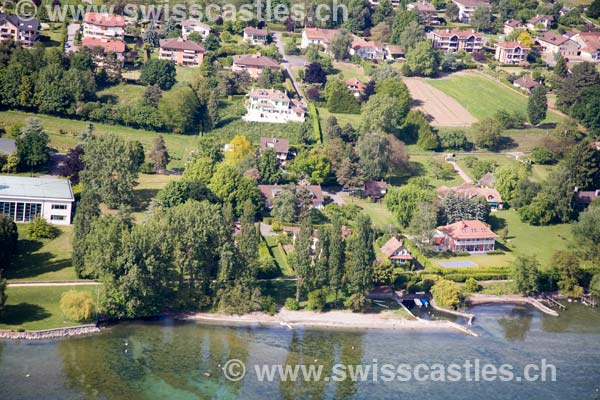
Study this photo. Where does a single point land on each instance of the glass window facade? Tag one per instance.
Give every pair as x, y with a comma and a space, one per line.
19, 211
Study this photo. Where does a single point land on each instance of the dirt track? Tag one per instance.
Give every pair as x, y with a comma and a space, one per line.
442, 109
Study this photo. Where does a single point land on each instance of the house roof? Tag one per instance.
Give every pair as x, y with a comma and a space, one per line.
422, 6
527, 82
272, 191
461, 33
466, 190
553, 38
251, 31
511, 45
104, 19
181, 44
112, 45
487, 180
255, 60
541, 18
355, 83
325, 35
271, 94
473, 3
393, 49
7, 146
25, 24
375, 188
590, 41
279, 145
513, 23
586, 197
358, 42
469, 229
391, 246
194, 23
42, 188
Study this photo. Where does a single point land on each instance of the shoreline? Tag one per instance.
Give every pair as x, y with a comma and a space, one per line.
341, 320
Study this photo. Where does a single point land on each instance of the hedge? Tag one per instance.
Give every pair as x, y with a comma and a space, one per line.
316, 123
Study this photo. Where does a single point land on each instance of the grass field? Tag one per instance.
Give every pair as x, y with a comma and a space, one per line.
343, 119
538, 172
147, 188
422, 165
42, 259
35, 308
124, 94
279, 256
540, 241
379, 214
179, 146
483, 97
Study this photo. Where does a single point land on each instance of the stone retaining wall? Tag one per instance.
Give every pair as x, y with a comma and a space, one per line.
50, 333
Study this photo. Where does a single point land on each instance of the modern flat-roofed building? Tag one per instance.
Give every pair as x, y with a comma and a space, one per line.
24, 198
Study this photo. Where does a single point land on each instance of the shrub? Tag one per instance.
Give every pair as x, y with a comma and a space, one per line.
147, 168
471, 285
269, 305
291, 304
357, 302
77, 306
267, 267
541, 155
39, 228
446, 293
317, 299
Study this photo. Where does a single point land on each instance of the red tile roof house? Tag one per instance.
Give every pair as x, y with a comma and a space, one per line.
552, 43
103, 25
280, 146
526, 83
317, 36
355, 86
511, 25
585, 198
368, 50
115, 46
394, 251
187, 53
470, 236
254, 64
255, 36
492, 196
590, 45
271, 192
393, 52
511, 53
449, 40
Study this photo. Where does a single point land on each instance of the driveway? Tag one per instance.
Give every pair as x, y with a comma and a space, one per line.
289, 61
461, 173
336, 197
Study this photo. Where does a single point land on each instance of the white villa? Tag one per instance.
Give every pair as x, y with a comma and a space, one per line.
24, 198
272, 105
190, 26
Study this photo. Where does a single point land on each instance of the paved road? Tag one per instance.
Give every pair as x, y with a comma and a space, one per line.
289, 61
461, 173
63, 283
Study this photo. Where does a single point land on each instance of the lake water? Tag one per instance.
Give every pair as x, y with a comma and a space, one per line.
176, 360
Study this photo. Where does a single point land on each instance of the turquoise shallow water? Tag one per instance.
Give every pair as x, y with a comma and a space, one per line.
174, 360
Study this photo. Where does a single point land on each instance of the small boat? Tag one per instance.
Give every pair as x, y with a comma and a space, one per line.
418, 302
425, 302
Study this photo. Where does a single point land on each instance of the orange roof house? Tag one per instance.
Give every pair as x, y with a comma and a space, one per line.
470, 236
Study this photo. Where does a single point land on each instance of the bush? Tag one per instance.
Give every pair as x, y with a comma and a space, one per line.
267, 268
147, 168
471, 285
77, 306
541, 155
317, 299
269, 305
39, 228
446, 293
357, 302
291, 304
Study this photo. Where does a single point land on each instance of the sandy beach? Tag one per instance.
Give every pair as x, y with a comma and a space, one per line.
331, 320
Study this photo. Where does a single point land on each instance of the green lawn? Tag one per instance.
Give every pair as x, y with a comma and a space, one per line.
538, 172
422, 165
64, 134
147, 188
482, 96
125, 94
343, 119
379, 214
42, 259
540, 241
279, 256
347, 71
36, 308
